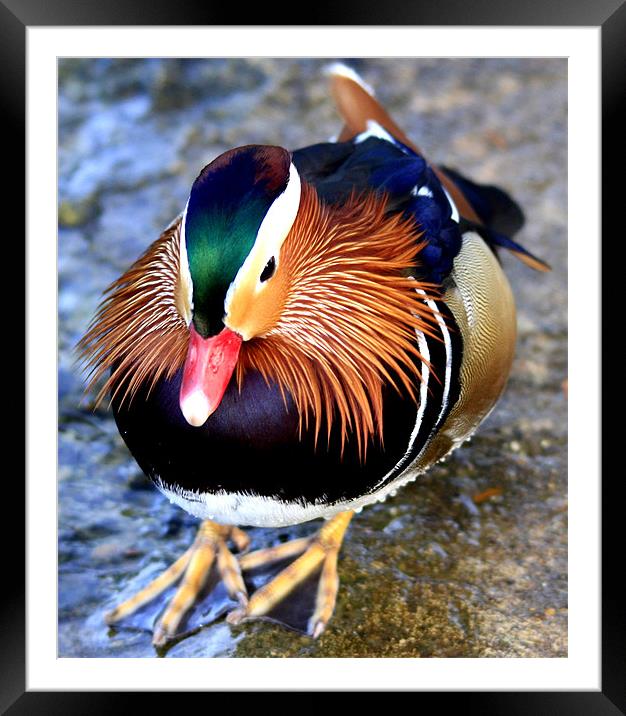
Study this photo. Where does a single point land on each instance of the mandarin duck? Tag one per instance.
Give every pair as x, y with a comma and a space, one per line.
317, 328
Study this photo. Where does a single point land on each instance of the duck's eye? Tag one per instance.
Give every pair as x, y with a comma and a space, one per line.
269, 269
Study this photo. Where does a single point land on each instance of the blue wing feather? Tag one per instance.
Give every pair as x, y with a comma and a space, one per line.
369, 162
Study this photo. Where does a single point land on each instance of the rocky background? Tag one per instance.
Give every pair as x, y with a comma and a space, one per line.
470, 560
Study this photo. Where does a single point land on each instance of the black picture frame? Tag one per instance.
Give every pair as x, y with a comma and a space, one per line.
610, 15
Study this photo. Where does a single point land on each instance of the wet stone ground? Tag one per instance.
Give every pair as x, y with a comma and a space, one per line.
470, 560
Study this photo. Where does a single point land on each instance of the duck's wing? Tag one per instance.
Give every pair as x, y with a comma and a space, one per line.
358, 106
487, 209
374, 161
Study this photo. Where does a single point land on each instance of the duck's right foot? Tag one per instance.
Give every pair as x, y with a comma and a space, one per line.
209, 547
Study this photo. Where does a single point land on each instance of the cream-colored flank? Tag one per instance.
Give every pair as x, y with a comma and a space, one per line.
481, 301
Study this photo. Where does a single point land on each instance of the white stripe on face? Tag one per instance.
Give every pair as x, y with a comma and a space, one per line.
270, 237
183, 268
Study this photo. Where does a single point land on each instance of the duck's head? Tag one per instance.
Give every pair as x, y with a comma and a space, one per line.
240, 211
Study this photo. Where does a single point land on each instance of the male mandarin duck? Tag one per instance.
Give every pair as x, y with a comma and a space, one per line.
316, 329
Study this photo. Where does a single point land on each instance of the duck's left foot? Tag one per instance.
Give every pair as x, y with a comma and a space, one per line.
318, 555
209, 547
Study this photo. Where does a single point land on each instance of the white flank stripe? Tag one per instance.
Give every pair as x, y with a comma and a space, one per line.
448, 344
425, 375
423, 346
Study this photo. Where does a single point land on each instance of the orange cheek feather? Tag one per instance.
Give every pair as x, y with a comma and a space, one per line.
253, 314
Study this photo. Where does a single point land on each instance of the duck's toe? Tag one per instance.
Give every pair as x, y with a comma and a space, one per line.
209, 553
